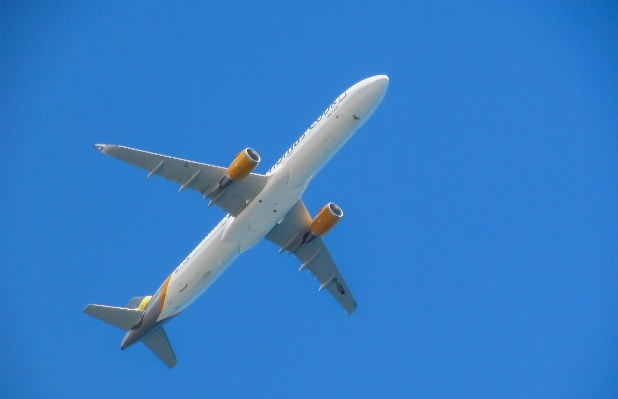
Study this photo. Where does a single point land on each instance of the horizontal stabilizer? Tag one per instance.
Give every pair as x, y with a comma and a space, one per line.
158, 343
123, 318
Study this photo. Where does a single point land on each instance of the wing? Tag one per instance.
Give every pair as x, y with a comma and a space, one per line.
197, 176
313, 255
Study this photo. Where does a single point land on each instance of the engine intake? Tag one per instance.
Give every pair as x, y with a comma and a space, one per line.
243, 164
324, 221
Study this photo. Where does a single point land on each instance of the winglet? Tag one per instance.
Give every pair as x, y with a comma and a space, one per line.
100, 147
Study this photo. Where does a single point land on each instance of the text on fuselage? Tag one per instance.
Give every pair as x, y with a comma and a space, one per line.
329, 111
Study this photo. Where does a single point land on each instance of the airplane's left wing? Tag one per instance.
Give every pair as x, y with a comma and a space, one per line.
313, 255
200, 177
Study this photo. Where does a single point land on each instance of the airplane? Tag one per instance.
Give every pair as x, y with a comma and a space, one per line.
258, 206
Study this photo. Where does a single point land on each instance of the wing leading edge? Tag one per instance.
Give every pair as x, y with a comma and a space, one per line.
200, 177
313, 255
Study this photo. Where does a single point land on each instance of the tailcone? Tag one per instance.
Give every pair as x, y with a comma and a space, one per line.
129, 339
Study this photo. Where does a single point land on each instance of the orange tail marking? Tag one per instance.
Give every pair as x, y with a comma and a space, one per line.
164, 293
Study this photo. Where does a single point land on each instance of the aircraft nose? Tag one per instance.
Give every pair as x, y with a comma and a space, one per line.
379, 83
374, 89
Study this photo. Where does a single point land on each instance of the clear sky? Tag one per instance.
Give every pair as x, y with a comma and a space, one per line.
481, 199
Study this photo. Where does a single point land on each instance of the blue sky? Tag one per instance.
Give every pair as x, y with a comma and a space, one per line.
480, 200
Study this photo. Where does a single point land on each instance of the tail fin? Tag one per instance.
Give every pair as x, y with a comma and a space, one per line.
138, 302
134, 302
122, 318
159, 344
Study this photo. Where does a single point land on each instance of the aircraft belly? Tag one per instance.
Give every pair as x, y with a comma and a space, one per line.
261, 215
283, 189
203, 267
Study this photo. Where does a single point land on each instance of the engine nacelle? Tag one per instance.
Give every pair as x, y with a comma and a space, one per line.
243, 164
324, 221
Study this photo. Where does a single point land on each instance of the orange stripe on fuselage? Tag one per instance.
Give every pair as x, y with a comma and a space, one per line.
163, 293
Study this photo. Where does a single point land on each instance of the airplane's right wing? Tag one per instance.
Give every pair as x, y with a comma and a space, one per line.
313, 255
200, 177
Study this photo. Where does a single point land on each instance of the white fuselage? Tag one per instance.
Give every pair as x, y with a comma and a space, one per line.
286, 182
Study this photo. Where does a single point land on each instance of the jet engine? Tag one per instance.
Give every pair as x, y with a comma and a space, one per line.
243, 164
324, 221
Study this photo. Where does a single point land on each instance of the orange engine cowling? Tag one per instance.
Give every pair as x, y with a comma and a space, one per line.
326, 219
243, 164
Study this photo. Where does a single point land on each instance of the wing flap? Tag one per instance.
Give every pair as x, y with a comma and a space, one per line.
196, 176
